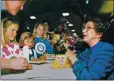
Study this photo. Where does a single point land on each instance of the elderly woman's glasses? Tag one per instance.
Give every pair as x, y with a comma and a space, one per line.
87, 28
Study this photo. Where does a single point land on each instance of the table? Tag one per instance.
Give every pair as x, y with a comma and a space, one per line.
43, 71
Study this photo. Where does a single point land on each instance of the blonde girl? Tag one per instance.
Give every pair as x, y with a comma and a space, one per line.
41, 37
26, 42
10, 47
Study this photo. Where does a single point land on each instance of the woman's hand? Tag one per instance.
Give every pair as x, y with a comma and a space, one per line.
72, 56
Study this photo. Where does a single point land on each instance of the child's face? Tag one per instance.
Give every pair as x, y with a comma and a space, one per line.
60, 28
40, 30
28, 42
11, 32
64, 35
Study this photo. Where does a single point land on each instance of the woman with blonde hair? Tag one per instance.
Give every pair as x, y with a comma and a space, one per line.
41, 39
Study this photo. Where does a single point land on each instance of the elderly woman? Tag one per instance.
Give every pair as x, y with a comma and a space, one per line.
96, 62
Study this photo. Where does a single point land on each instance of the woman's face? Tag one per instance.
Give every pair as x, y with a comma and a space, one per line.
89, 32
11, 32
40, 30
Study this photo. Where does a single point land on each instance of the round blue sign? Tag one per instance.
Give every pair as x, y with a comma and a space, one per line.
40, 48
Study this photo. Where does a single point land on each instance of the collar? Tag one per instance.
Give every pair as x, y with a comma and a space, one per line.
11, 45
96, 45
38, 36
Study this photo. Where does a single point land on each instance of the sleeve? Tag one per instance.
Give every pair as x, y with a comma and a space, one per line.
25, 52
101, 67
18, 51
49, 48
5, 53
85, 55
35, 40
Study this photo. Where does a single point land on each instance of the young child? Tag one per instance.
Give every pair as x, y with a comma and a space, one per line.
26, 42
41, 39
10, 52
10, 47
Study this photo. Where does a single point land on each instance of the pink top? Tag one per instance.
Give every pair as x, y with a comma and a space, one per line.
12, 50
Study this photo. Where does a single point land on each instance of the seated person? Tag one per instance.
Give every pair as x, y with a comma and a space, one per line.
62, 45
96, 62
41, 39
59, 29
11, 57
26, 42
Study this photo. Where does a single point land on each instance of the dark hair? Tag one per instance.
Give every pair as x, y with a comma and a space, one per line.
100, 26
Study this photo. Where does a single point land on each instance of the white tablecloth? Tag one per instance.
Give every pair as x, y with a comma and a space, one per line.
43, 71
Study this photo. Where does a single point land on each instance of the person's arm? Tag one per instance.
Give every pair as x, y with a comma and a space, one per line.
99, 67
53, 40
17, 63
85, 55
5, 63
49, 48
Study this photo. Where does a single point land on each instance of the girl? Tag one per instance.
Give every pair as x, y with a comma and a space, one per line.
41, 39
10, 48
26, 42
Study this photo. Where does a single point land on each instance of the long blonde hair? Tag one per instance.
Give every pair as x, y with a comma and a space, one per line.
44, 36
6, 22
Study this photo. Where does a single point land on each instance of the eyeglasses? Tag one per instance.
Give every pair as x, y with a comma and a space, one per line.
87, 28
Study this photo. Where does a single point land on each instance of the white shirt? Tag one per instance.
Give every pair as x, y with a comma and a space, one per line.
26, 51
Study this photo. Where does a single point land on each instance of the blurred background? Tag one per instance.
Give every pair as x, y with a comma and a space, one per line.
71, 13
